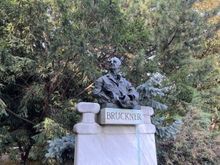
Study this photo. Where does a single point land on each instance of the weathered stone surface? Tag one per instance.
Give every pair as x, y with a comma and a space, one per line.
128, 129
121, 116
87, 107
88, 124
148, 111
115, 144
85, 128
115, 149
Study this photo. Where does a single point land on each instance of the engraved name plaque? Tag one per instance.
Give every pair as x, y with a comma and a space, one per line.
121, 116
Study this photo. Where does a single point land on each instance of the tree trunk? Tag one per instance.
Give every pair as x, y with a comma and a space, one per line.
24, 152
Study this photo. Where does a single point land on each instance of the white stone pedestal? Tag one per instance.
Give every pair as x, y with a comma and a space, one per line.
114, 144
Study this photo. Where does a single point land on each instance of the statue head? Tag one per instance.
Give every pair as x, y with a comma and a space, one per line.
114, 64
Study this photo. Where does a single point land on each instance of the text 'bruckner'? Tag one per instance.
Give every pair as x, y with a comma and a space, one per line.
121, 116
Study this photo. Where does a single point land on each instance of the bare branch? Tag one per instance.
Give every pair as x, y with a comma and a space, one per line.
170, 40
16, 115
85, 89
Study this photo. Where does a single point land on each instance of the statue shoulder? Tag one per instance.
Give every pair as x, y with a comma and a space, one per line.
102, 78
125, 80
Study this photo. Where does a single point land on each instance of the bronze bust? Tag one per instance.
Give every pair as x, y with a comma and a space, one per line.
113, 90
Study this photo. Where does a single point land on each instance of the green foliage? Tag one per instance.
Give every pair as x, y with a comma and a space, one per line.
181, 33
2, 108
51, 51
61, 149
47, 130
150, 92
3, 132
30, 104
185, 93
167, 132
193, 145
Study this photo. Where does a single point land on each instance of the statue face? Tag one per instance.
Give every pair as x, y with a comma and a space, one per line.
114, 63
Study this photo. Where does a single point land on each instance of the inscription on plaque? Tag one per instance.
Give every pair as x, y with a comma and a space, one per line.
121, 116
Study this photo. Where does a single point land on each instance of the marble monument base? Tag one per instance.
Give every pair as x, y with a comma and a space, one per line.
117, 144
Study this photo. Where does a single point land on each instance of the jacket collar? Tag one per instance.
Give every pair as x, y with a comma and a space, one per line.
111, 77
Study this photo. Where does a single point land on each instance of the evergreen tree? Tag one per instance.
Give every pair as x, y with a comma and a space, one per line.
51, 51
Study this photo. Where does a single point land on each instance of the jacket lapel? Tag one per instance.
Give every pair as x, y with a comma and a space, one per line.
112, 79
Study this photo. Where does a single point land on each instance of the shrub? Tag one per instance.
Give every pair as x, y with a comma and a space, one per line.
61, 150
